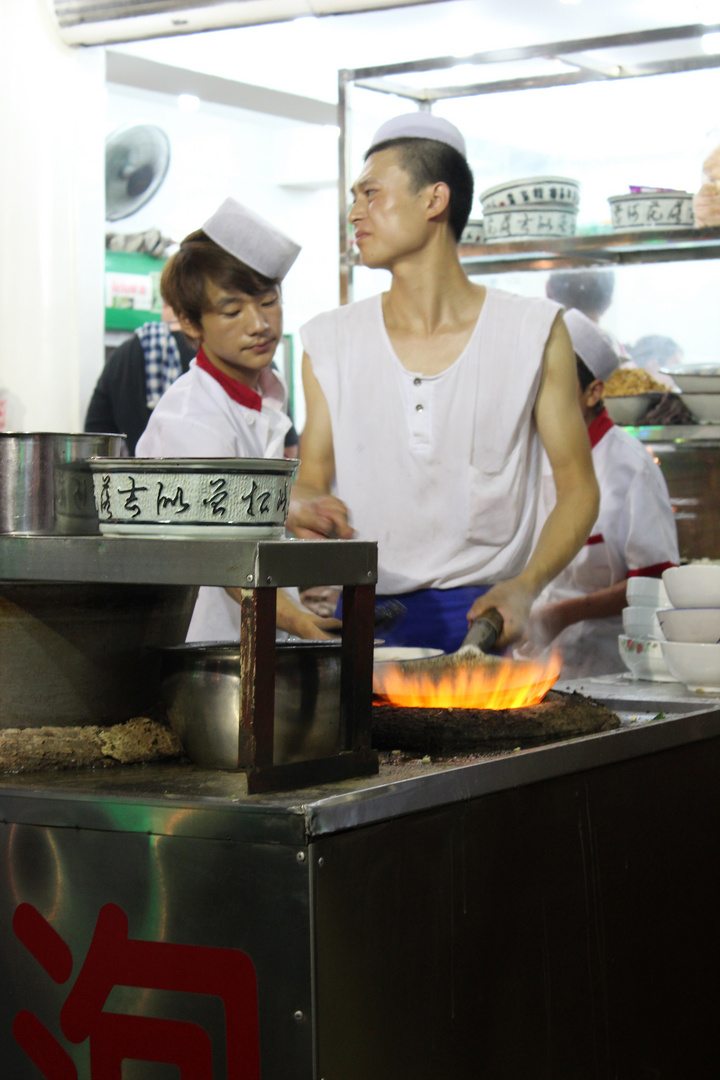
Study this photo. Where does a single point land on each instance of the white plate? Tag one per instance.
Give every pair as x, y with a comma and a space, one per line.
397, 653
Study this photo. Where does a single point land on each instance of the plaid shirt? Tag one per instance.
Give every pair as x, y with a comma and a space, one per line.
162, 359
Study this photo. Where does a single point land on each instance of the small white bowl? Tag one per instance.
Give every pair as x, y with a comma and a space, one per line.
692, 586
514, 194
641, 622
700, 625
647, 592
695, 664
704, 407
696, 380
652, 210
395, 654
629, 408
644, 659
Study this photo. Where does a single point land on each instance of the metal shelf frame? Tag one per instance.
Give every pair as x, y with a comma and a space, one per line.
580, 57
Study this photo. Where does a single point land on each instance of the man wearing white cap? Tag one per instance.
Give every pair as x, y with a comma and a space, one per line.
224, 285
429, 406
634, 534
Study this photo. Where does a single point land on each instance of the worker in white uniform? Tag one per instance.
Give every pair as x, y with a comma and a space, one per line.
635, 532
428, 406
224, 285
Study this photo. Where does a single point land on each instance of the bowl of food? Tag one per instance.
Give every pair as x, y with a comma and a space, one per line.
699, 625
705, 407
242, 498
528, 223
694, 663
654, 209
693, 586
644, 659
647, 592
516, 194
641, 622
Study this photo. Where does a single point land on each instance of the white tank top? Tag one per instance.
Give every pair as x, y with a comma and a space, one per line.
441, 470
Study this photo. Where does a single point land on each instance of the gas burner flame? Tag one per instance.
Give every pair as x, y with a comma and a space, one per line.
467, 682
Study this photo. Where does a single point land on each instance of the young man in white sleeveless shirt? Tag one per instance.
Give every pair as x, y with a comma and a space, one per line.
428, 407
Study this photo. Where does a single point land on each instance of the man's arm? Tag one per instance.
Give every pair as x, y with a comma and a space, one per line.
546, 622
564, 436
314, 512
299, 621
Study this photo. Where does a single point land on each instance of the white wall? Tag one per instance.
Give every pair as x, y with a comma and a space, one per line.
283, 169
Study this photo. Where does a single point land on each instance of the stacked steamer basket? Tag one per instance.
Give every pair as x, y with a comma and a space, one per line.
691, 628
532, 209
641, 644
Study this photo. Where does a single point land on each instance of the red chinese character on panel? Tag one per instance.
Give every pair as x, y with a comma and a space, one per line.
112, 960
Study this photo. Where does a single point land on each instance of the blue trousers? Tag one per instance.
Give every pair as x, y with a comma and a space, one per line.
435, 618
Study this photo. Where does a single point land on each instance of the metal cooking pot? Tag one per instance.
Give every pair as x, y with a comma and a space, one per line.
45, 481
201, 684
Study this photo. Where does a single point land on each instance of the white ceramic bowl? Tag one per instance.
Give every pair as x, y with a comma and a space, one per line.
690, 624
704, 407
473, 233
628, 409
644, 659
534, 223
652, 210
395, 654
549, 190
696, 380
695, 664
641, 622
244, 498
692, 586
647, 592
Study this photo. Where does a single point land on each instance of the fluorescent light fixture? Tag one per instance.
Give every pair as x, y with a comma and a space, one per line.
188, 103
711, 43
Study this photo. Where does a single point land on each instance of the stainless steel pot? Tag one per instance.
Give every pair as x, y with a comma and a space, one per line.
45, 481
201, 686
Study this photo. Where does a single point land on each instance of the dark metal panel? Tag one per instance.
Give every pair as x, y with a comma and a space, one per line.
175, 892
559, 930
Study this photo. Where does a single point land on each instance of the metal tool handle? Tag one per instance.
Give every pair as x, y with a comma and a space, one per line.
485, 631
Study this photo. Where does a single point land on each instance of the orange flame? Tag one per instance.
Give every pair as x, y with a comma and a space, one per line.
486, 684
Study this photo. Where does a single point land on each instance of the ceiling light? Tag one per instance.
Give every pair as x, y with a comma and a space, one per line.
188, 103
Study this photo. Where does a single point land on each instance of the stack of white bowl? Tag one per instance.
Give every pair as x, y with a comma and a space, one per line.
692, 626
641, 644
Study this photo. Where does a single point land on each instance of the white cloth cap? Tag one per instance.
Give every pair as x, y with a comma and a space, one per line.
421, 125
591, 345
251, 239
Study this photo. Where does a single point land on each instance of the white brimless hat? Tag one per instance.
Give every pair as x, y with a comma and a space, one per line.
251, 239
420, 125
591, 345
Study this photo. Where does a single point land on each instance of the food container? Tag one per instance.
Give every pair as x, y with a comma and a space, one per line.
473, 233
529, 223
652, 210
644, 659
641, 622
245, 498
647, 592
45, 481
696, 380
704, 407
701, 625
627, 410
549, 191
693, 586
696, 665
201, 686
